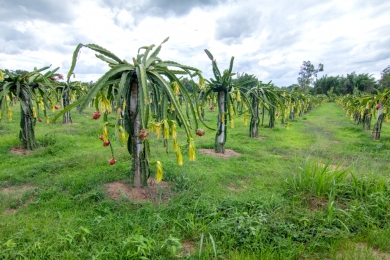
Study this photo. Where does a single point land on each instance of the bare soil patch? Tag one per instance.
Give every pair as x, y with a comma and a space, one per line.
20, 151
9, 211
316, 203
228, 153
188, 248
154, 192
361, 251
233, 188
376, 253
334, 167
261, 138
237, 188
15, 193
70, 123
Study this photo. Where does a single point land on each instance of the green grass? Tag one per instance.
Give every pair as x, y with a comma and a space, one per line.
319, 189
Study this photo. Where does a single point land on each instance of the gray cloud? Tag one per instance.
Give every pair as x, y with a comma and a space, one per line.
281, 40
74, 39
87, 66
265, 37
166, 8
14, 14
14, 42
281, 75
161, 8
46, 10
237, 25
376, 50
377, 6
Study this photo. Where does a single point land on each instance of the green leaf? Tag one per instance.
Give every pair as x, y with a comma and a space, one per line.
231, 65
42, 69
146, 54
209, 54
55, 70
165, 40
5, 90
144, 100
101, 82
174, 64
104, 51
217, 73
108, 60
125, 81
74, 59
247, 102
184, 92
167, 89
153, 57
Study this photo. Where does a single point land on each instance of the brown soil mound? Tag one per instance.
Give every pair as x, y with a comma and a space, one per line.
20, 151
155, 192
228, 153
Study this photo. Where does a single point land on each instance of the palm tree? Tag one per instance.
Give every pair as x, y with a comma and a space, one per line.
67, 92
34, 90
382, 100
145, 89
222, 85
364, 108
261, 96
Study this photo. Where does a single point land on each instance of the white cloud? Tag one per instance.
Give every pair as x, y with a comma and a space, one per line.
268, 39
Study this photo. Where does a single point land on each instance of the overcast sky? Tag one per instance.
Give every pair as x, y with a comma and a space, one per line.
269, 39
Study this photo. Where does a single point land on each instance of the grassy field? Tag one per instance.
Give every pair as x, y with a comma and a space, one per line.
318, 190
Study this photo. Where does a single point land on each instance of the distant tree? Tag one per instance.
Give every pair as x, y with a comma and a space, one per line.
326, 83
19, 72
188, 84
384, 82
349, 83
290, 88
362, 82
308, 74
366, 83
343, 85
246, 81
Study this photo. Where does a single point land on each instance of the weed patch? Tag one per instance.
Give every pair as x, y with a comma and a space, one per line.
318, 190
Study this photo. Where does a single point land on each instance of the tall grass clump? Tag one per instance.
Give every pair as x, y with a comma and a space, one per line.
338, 200
317, 178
